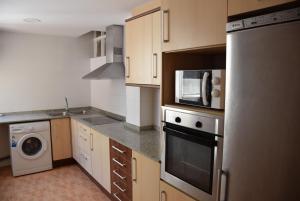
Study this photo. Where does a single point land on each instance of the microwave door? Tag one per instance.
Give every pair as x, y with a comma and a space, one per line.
190, 87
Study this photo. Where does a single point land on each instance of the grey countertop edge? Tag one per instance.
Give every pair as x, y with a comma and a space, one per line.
152, 152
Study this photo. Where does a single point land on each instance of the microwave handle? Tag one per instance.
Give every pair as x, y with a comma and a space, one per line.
204, 84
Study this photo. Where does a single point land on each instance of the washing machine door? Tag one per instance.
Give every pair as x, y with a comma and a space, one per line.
32, 146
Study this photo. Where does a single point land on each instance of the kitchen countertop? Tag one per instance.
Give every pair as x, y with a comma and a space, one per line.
145, 142
18, 117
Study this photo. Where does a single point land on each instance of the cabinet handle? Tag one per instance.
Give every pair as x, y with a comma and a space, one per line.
116, 196
219, 183
166, 26
118, 175
155, 65
118, 162
92, 141
118, 150
127, 69
134, 169
163, 196
121, 189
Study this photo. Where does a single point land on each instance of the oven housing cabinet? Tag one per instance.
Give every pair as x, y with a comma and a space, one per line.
212, 125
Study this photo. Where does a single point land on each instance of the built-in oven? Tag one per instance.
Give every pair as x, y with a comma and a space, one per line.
192, 152
202, 88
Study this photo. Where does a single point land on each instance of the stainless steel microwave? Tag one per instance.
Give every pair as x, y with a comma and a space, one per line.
202, 88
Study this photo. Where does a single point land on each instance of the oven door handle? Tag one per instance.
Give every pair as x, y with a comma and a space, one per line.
204, 86
211, 143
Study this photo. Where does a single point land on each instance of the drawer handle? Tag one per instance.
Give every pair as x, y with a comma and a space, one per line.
121, 189
118, 175
118, 162
85, 139
116, 196
118, 150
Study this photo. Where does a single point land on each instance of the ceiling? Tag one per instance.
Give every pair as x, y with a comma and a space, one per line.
64, 17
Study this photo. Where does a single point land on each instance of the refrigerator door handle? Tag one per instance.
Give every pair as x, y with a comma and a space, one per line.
220, 187
204, 83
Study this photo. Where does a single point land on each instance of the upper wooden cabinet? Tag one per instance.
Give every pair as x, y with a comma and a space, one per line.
61, 139
145, 178
143, 50
192, 24
241, 6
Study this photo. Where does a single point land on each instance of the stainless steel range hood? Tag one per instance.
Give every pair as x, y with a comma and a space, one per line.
114, 67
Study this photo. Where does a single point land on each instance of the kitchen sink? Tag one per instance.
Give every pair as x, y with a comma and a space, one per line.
100, 120
57, 113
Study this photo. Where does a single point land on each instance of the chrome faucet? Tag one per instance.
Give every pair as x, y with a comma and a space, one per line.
67, 104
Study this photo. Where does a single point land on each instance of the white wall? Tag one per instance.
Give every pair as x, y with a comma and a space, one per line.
143, 106
38, 71
108, 95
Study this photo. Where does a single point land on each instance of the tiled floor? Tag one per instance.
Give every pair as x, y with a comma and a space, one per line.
62, 184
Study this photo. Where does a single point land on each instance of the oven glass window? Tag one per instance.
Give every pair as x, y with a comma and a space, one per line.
190, 159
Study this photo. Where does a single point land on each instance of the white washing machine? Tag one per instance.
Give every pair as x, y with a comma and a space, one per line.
30, 145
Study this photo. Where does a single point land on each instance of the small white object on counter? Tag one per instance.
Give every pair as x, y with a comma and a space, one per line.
1, 115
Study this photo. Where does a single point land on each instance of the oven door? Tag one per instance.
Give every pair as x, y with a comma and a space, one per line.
191, 160
193, 87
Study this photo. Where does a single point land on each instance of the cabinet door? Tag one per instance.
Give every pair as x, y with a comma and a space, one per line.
74, 131
145, 177
241, 6
139, 47
61, 139
192, 24
156, 49
169, 193
101, 159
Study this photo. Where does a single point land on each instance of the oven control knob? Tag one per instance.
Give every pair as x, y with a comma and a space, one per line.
216, 81
198, 124
215, 93
177, 119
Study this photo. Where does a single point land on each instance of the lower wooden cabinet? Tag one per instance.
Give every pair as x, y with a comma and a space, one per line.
169, 193
74, 130
91, 151
145, 178
100, 159
61, 139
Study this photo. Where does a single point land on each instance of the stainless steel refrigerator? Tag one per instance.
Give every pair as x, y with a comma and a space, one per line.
261, 160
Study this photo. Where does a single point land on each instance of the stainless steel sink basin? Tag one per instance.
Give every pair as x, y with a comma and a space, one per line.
57, 113
100, 120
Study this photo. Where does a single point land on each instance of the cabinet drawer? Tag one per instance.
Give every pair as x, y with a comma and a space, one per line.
122, 188
85, 161
83, 129
119, 149
118, 162
118, 174
118, 195
84, 141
